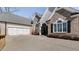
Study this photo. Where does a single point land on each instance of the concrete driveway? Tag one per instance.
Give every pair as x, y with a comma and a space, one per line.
39, 43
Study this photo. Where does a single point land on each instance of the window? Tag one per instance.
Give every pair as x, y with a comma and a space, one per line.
60, 26
54, 28
64, 27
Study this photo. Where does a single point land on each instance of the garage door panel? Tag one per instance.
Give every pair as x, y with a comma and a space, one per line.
16, 31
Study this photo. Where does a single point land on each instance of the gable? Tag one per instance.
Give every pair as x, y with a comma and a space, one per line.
64, 12
56, 16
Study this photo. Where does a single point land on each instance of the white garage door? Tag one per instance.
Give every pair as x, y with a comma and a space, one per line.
18, 30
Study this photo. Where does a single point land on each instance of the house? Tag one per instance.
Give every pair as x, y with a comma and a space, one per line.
11, 24
60, 20
35, 23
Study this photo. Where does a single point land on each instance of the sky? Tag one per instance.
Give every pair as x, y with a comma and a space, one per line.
29, 11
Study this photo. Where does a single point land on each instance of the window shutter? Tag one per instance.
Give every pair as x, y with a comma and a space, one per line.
51, 28
69, 26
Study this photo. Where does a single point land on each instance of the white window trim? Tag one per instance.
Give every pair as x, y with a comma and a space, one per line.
63, 21
66, 27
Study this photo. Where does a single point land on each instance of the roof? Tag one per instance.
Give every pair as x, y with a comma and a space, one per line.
36, 16
73, 11
50, 11
47, 14
70, 9
12, 18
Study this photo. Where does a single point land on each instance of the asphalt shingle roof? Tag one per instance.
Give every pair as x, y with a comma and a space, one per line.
12, 18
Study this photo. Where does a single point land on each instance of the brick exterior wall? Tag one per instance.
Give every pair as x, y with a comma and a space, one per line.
75, 25
74, 22
55, 17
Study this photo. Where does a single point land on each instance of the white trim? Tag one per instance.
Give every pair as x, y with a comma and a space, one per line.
62, 27
75, 15
45, 16
60, 19
70, 9
53, 13
40, 28
63, 21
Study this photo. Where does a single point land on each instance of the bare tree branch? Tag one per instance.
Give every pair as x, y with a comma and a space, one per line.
0, 10
8, 9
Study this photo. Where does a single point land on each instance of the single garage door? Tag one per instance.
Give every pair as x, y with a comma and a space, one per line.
18, 30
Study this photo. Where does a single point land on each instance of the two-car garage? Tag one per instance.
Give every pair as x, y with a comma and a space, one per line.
18, 30
11, 24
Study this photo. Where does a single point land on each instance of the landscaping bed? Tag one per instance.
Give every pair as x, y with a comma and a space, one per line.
64, 36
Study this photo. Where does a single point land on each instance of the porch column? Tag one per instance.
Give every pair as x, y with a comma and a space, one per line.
40, 28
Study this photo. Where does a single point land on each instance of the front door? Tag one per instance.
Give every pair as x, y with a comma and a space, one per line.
44, 29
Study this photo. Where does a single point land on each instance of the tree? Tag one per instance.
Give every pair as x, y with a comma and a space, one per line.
8, 9
0, 10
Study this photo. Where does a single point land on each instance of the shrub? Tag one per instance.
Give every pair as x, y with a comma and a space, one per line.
75, 38
53, 35
64, 36
35, 33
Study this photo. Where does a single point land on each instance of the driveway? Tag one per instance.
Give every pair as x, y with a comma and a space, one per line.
39, 43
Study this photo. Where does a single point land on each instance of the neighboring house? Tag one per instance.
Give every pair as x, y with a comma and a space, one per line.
60, 20
35, 22
11, 24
